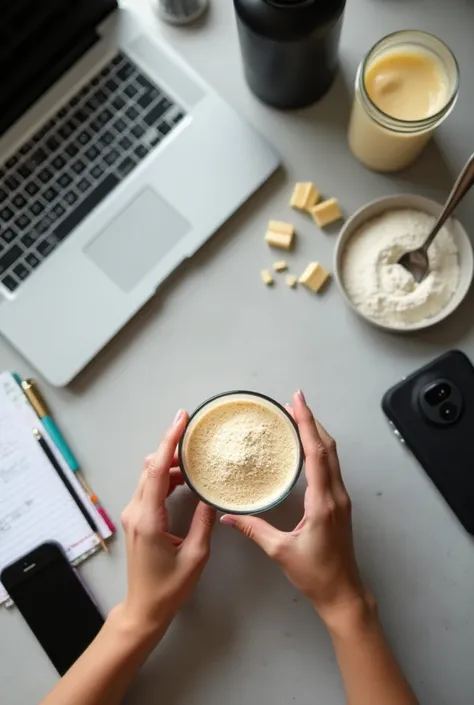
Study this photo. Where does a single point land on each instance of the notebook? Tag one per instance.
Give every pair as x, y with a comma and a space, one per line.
35, 506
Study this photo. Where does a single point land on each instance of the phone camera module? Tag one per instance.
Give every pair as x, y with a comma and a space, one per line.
438, 393
441, 402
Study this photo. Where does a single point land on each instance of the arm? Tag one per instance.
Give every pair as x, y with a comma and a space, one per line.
162, 573
318, 558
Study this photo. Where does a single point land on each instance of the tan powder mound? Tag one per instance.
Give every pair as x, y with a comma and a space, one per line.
241, 453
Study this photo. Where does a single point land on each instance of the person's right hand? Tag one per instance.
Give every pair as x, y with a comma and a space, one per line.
318, 555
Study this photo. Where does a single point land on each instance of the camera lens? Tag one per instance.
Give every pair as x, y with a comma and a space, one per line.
438, 393
448, 411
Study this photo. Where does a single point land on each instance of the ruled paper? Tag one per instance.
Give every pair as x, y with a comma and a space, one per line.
35, 506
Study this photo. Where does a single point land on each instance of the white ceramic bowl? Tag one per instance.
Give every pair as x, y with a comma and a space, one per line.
381, 205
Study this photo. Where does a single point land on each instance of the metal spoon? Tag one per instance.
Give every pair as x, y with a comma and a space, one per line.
416, 261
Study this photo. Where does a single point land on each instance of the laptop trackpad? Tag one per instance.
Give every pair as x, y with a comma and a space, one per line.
135, 240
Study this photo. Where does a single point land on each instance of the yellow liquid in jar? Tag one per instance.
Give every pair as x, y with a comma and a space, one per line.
407, 84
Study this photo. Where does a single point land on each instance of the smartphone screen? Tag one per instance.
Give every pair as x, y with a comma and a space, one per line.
53, 601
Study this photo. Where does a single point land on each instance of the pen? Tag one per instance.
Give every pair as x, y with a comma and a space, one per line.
49, 454
35, 398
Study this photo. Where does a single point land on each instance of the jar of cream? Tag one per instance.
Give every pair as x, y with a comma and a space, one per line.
405, 87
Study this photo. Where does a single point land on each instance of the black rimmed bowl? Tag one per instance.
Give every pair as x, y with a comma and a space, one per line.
268, 403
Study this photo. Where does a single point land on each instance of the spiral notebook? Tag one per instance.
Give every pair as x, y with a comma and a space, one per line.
35, 506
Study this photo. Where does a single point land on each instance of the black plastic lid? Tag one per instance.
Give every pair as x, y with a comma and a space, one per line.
287, 20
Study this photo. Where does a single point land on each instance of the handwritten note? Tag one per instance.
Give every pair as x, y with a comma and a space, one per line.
34, 503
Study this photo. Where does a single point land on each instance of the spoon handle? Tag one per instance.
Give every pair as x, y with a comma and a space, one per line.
463, 184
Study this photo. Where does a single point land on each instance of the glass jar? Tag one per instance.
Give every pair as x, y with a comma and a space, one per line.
180, 11
380, 141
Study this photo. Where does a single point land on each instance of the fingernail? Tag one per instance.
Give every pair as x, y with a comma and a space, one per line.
228, 520
301, 396
288, 406
178, 417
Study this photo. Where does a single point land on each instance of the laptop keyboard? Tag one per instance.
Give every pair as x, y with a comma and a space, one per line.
75, 160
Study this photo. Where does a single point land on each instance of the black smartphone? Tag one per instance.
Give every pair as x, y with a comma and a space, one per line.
432, 411
58, 609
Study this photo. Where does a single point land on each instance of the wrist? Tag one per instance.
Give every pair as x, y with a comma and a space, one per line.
137, 631
350, 618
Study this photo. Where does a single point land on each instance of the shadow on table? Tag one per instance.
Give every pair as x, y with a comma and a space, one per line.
333, 111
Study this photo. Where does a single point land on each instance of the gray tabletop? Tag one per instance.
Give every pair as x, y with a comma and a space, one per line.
247, 636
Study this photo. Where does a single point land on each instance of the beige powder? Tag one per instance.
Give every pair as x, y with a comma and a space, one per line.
240, 453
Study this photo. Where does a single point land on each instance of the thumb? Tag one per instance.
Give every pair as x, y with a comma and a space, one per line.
198, 541
257, 530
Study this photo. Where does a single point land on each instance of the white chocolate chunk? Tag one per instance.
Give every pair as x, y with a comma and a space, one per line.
280, 266
291, 281
314, 276
266, 277
326, 212
305, 196
280, 234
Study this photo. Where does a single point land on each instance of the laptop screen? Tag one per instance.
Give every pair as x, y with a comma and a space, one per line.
39, 40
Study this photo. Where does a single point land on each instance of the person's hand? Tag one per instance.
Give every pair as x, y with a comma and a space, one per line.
318, 555
163, 569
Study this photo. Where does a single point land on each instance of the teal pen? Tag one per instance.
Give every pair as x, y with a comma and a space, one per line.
36, 400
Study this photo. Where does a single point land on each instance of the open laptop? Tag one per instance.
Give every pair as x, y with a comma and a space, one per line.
117, 162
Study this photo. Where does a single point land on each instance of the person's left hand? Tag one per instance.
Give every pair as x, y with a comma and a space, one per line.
163, 569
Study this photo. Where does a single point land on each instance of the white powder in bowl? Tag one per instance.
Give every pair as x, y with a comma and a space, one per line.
240, 454
382, 289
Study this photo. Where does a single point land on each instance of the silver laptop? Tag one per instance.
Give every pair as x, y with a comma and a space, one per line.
117, 162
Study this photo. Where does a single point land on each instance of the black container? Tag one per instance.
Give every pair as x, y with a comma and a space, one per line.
289, 48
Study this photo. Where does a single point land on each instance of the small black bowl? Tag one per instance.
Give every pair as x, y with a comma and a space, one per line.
268, 402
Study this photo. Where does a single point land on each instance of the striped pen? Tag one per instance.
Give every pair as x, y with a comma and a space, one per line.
40, 407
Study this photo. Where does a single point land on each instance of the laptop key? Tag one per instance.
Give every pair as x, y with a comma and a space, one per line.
84, 185
21, 271
37, 208
52, 144
145, 100
164, 128
125, 72
126, 166
64, 180
12, 183
107, 138
58, 162
125, 143
118, 103
141, 151
131, 90
71, 198
88, 204
10, 257
6, 214
32, 188
10, 163
3, 195
79, 166
7, 235
132, 113
28, 240
111, 157
19, 201
22, 222
45, 175
58, 210
32, 260
97, 172
145, 83
84, 137
92, 153
72, 150
120, 125
24, 171
9, 282
138, 131
156, 113
50, 194
46, 246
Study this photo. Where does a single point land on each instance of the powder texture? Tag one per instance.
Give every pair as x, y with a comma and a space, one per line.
382, 289
241, 454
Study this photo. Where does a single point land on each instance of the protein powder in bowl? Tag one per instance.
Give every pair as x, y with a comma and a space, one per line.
381, 290
241, 452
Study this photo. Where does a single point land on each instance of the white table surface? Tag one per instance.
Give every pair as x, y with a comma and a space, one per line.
248, 637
